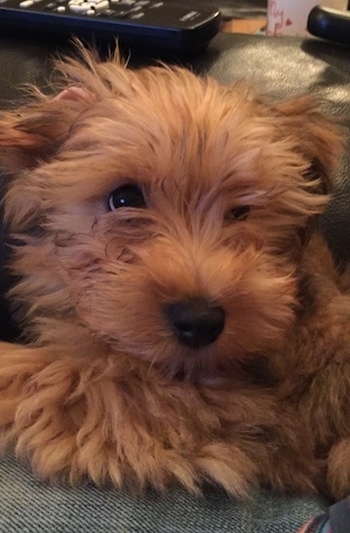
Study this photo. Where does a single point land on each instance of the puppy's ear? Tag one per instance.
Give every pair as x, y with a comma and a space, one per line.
34, 132
317, 137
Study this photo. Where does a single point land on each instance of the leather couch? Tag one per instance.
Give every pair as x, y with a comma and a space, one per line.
283, 67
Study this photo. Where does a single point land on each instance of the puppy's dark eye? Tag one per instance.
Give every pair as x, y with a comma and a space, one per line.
240, 212
126, 196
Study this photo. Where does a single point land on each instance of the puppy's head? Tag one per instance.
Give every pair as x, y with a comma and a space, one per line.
163, 213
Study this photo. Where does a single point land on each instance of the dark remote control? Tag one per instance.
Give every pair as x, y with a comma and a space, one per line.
167, 24
331, 24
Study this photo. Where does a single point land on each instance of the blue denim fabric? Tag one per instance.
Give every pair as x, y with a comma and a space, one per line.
28, 505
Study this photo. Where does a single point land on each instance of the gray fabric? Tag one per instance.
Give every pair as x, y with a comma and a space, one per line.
30, 506
339, 516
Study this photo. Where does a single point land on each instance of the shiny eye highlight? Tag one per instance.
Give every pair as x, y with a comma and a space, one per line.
126, 196
238, 213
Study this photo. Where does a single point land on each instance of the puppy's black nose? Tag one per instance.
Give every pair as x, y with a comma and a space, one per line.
196, 322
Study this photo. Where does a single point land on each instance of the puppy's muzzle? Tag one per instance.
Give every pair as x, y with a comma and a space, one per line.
196, 322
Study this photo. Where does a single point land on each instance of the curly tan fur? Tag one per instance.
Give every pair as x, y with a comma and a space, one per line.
104, 389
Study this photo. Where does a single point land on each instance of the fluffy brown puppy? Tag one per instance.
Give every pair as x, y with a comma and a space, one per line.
168, 273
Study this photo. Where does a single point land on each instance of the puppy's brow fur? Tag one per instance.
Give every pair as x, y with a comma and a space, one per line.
232, 185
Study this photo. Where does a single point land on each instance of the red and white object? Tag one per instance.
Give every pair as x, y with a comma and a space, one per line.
289, 17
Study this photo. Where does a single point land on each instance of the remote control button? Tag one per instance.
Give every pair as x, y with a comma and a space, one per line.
61, 9
106, 13
100, 6
26, 3
127, 2
155, 6
52, 6
83, 8
121, 14
189, 16
137, 16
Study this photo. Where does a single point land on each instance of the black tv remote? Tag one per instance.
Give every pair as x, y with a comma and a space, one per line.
175, 25
330, 24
